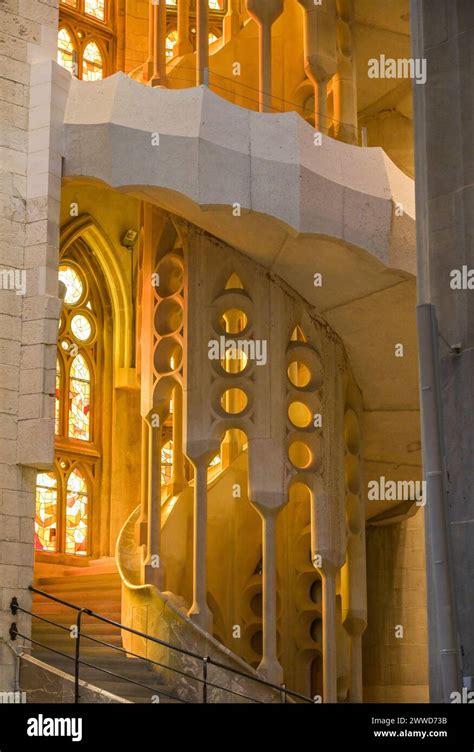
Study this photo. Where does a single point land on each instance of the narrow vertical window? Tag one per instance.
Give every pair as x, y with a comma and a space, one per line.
46, 515
76, 514
66, 52
79, 399
92, 64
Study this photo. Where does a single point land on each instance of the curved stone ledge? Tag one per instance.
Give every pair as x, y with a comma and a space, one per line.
217, 155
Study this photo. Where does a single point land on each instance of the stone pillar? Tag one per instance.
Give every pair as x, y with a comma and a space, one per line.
142, 525
445, 228
178, 480
265, 13
344, 85
270, 666
320, 53
183, 45
199, 611
148, 66
202, 42
354, 607
153, 566
232, 22
159, 44
328, 576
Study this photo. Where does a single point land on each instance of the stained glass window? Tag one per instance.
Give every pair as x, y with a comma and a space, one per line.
46, 516
95, 8
92, 63
72, 3
66, 53
81, 327
166, 462
76, 514
212, 38
79, 399
171, 40
216, 4
74, 287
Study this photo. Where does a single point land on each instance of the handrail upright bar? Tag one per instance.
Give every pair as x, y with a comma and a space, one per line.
77, 657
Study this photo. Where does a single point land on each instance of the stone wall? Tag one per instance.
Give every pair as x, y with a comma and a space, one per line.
33, 90
396, 660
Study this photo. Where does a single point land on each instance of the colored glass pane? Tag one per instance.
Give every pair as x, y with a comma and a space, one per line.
81, 327
46, 514
166, 462
57, 405
79, 400
212, 38
76, 514
215, 461
66, 55
95, 8
171, 40
216, 4
72, 3
92, 64
74, 287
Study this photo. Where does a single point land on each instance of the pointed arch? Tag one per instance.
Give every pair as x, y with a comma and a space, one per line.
234, 282
89, 230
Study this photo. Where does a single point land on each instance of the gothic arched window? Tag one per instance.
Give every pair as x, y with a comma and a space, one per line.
63, 497
86, 38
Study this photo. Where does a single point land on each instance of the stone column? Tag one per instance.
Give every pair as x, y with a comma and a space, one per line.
199, 611
232, 23
154, 569
354, 607
265, 13
328, 576
178, 480
202, 42
183, 45
344, 83
142, 525
159, 44
270, 666
148, 66
320, 53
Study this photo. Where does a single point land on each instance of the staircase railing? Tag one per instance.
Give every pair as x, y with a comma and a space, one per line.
204, 661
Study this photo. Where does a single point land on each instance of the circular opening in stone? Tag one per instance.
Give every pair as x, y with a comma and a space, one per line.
234, 401
316, 630
256, 642
235, 360
299, 414
256, 605
170, 276
299, 374
352, 473
233, 321
300, 455
168, 356
316, 591
169, 317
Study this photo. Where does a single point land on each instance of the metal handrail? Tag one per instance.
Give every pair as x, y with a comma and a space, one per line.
205, 660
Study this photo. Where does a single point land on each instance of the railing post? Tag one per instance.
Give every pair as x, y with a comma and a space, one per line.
76, 659
205, 662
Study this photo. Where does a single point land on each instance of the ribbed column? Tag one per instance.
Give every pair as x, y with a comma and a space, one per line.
178, 480
143, 519
269, 666
202, 42
154, 569
320, 53
232, 22
148, 66
183, 45
265, 13
199, 611
328, 576
159, 44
